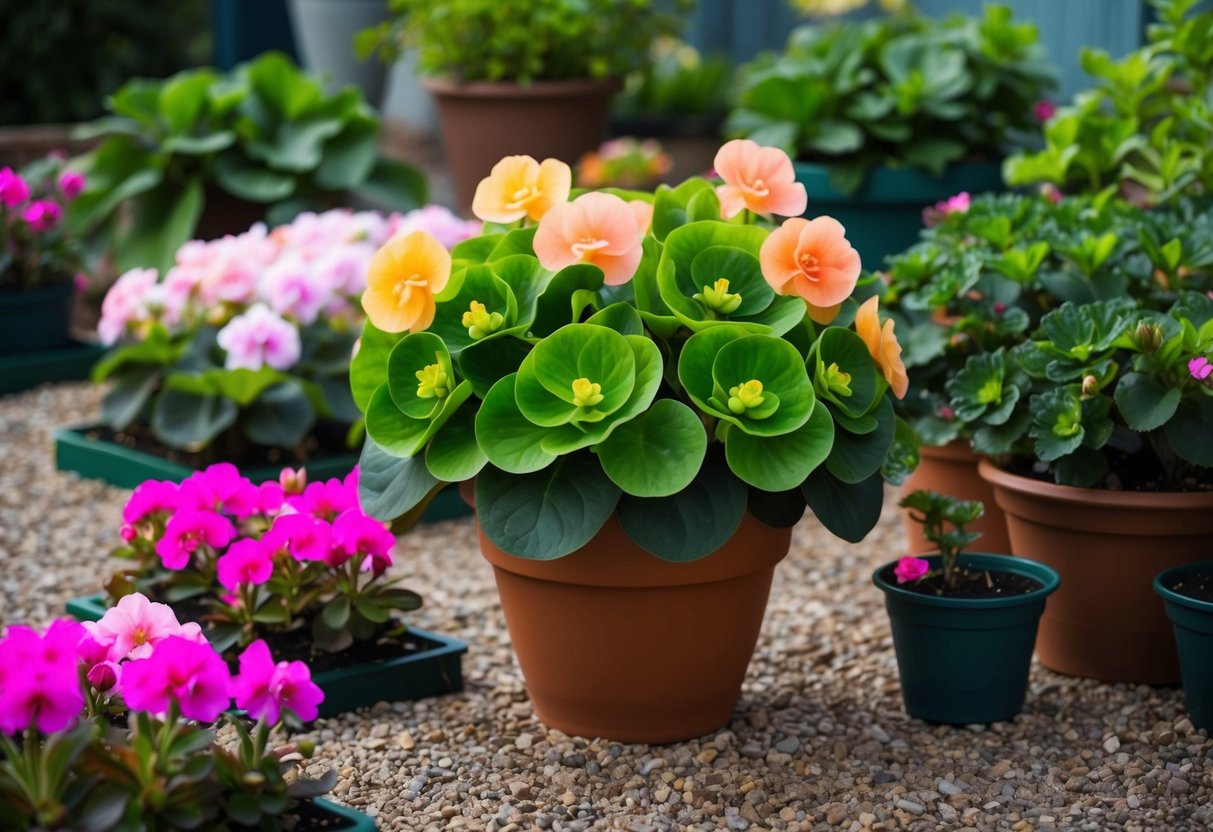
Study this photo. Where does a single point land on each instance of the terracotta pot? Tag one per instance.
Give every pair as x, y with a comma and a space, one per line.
484, 121
616, 643
1105, 622
952, 470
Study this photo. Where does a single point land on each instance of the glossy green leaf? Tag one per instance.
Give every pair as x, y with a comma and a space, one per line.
369, 366
388, 486
507, 437
657, 453
856, 457
453, 454
780, 463
847, 510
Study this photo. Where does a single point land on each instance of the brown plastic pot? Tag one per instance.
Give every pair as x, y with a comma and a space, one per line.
952, 470
1105, 622
486, 120
616, 643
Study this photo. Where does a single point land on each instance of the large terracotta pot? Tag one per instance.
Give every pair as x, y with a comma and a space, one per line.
616, 643
952, 470
484, 121
1105, 622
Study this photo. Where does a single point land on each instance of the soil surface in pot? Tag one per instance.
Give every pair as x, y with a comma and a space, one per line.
974, 583
1127, 472
1198, 586
308, 816
327, 439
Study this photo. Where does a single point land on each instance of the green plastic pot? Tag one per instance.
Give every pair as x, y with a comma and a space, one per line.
966, 660
24, 370
433, 671
346, 819
1192, 620
124, 467
35, 320
885, 215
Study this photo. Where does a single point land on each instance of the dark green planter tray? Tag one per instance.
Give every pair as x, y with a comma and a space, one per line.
1192, 620
22, 371
885, 215
349, 820
125, 467
430, 672
966, 660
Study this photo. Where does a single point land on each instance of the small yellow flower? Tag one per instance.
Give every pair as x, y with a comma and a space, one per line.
718, 298
586, 393
837, 380
432, 382
746, 396
480, 322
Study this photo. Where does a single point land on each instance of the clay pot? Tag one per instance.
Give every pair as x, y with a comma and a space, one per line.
599, 633
952, 470
486, 120
1105, 622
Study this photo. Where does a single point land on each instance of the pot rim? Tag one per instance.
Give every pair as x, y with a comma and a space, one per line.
1046, 575
1172, 597
1030, 487
443, 85
958, 450
23, 295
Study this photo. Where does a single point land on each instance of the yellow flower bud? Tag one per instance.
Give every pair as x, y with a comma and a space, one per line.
432, 382
746, 396
718, 298
586, 393
480, 322
837, 380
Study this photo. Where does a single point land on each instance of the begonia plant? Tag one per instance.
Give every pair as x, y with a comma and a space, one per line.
35, 248
674, 359
944, 520
246, 340
112, 726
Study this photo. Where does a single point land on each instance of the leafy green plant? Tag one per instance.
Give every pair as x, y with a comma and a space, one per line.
897, 91
541, 40
265, 133
1147, 124
676, 82
944, 520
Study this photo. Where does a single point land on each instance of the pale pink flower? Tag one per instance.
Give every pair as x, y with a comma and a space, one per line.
447, 227
125, 303
294, 288
133, 627
259, 338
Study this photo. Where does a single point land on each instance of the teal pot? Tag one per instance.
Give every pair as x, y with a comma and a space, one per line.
72, 361
338, 818
966, 660
35, 320
1192, 620
324, 32
92, 457
885, 215
433, 670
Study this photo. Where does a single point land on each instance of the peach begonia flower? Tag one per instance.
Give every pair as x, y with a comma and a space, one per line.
759, 178
521, 187
402, 279
812, 259
643, 212
883, 346
595, 228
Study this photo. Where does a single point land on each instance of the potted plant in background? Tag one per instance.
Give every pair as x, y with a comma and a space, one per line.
40, 273
326, 31
1187, 592
624, 163
644, 421
523, 79
203, 154
890, 115
121, 730
239, 353
963, 623
294, 564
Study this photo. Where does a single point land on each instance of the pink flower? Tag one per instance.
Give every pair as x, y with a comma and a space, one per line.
448, 228
246, 562
1051, 192
758, 178
42, 215
327, 499
220, 487
1200, 368
293, 481
259, 338
911, 569
39, 678
1044, 110
293, 287
179, 670
126, 303
265, 689
595, 228
80, 283
956, 204
187, 530
132, 628
271, 498
13, 189
71, 183
356, 534
306, 537
148, 498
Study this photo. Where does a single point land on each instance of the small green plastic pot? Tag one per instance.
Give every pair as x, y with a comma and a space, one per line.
884, 216
21, 371
966, 660
344, 819
35, 320
1192, 620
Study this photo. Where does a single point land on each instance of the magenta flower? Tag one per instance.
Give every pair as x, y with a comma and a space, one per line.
246, 562
148, 498
955, 204
179, 670
220, 488
356, 534
187, 530
270, 498
132, 628
265, 689
1200, 368
327, 499
39, 678
911, 569
259, 338
13, 189
306, 537
1044, 110
42, 215
71, 183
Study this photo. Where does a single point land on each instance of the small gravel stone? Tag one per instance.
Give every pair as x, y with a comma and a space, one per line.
1111, 744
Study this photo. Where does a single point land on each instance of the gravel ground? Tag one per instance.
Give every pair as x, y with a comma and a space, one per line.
818, 741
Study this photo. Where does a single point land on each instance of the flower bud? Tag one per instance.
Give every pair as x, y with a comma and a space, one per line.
293, 481
128, 532
103, 677
1090, 386
1148, 337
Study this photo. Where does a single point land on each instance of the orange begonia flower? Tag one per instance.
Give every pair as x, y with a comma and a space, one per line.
643, 211
521, 187
759, 178
812, 259
882, 344
595, 228
402, 279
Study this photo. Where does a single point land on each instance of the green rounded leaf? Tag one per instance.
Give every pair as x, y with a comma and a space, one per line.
412, 355
576, 351
509, 439
368, 367
848, 510
388, 486
856, 457
698, 356
656, 454
778, 365
481, 285
395, 432
781, 463
1144, 402
453, 454
844, 348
